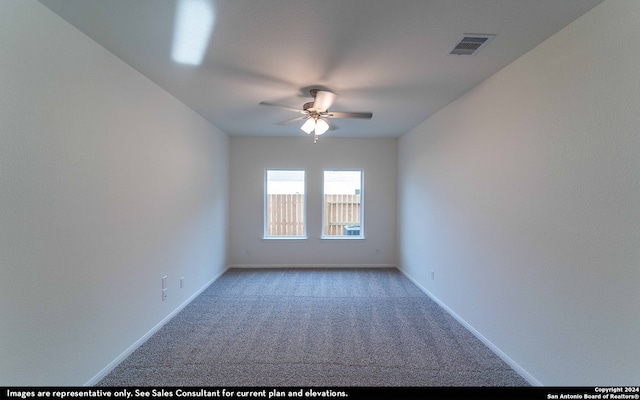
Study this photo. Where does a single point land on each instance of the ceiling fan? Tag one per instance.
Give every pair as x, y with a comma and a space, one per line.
317, 114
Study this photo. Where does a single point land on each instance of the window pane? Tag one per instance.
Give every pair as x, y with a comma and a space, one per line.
342, 203
285, 203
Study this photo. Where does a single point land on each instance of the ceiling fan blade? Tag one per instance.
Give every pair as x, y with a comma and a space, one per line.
293, 120
324, 100
266, 103
365, 115
332, 126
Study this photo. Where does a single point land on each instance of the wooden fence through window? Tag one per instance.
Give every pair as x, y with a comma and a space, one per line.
340, 211
285, 214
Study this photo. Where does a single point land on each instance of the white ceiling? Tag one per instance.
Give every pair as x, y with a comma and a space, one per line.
384, 56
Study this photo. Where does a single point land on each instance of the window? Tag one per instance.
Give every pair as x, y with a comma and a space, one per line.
285, 204
342, 204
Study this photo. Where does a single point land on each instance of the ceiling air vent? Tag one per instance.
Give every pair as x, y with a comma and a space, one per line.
470, 44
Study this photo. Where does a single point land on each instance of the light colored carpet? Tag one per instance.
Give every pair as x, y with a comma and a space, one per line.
313, 327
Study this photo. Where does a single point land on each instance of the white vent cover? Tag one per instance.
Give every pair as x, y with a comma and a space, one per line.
470, 44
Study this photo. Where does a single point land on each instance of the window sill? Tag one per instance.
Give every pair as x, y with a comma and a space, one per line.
285, 239
346, 237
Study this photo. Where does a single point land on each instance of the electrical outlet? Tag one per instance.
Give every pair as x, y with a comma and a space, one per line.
164, 288
377, 252
181, 282
433, 275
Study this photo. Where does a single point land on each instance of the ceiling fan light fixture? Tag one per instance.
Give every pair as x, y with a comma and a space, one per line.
316, 113
321, 126
309, 125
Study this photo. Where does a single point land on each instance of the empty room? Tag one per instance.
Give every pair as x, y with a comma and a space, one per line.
357, 193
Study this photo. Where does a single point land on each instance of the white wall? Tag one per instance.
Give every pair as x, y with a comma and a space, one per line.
249, 158
107, 183
524, 197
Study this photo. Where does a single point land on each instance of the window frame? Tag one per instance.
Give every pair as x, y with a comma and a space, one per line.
361, 236
265, 235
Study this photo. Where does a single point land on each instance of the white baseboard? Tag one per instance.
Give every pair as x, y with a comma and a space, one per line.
313, 266
100, 375
521, 371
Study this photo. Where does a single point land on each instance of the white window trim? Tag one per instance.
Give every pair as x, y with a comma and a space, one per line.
345, 237
266, 237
